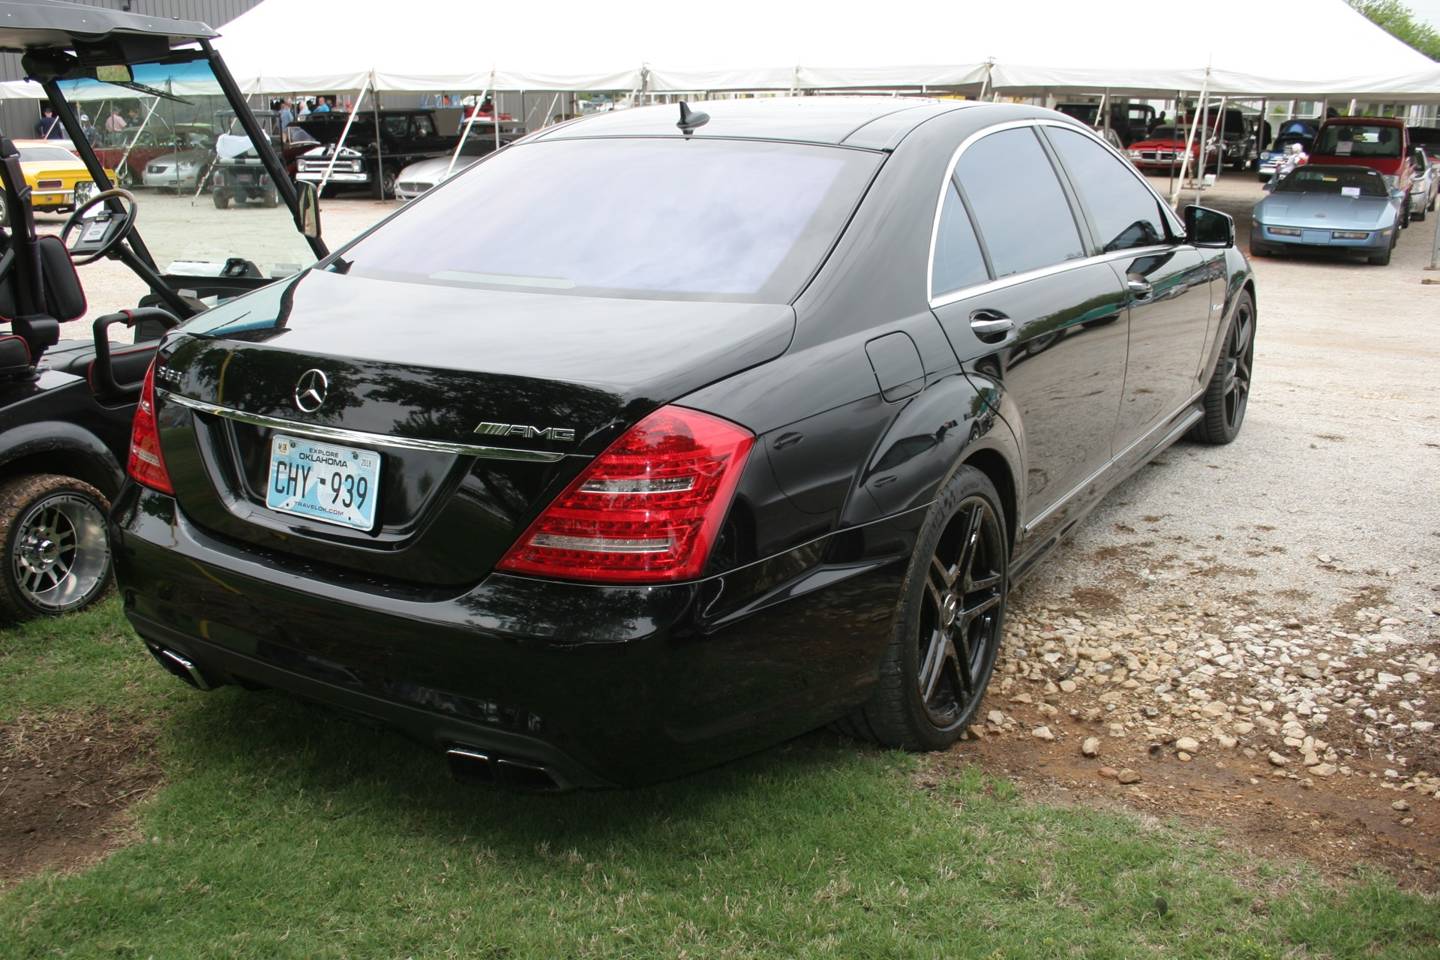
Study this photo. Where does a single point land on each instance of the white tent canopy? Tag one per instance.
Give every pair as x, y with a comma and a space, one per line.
1313, 49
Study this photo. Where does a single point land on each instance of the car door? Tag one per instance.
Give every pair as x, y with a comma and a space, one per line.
1013, 278
1167, 283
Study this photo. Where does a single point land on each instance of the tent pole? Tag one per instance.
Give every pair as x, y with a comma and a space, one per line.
465, 133
1175, 118
550, 110
1102, 116
1219, 138
1352, 107
494, 114
125, 157
985, 80
345, 132
1205, 129
379, 144
1190, 139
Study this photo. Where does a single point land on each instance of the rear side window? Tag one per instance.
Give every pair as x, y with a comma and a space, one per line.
660, 218
1125, 214
958, 260
1019, 207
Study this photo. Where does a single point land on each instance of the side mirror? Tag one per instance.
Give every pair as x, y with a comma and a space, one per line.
1209, 228
308, 216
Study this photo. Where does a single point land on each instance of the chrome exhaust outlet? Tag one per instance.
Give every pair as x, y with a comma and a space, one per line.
475, 766
180, 666
470, 766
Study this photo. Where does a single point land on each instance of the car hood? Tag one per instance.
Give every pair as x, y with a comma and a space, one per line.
433, 170
1326, 211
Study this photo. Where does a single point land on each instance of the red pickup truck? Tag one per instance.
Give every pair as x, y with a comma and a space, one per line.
1380, 143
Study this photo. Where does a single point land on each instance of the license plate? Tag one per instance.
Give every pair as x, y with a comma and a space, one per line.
1315, 236
322, 481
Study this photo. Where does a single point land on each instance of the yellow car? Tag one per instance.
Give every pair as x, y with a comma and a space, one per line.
58, 179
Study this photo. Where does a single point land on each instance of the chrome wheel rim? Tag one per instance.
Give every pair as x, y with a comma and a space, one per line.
61, 555
959, 634
1239, 357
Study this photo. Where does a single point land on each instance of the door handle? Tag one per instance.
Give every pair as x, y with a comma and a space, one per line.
1139, 289
991, 326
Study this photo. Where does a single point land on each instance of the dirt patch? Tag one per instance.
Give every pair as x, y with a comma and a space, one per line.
66, 786
1255, 807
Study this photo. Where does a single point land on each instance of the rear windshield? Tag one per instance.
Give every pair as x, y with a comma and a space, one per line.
46, 155
1358, 140
1353, 181
660, 218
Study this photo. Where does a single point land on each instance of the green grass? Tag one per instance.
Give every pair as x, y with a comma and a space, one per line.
285, 832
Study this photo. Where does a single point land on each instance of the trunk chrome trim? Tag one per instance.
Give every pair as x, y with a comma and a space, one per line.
361, 438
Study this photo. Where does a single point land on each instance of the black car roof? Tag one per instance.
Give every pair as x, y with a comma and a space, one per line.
28, 24
875, 122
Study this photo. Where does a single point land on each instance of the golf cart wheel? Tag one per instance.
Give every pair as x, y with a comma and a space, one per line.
270, 200
57, 550
221, 199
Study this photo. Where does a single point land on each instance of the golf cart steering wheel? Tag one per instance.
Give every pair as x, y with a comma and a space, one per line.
96, 235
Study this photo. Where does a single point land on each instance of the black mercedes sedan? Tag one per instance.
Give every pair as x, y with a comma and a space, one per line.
662, 436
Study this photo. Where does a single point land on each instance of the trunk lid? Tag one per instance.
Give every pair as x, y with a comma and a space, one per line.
482, 405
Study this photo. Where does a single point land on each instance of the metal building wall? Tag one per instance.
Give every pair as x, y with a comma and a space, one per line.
17, 118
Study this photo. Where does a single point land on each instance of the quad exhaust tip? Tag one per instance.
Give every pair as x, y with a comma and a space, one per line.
181, 666
474, 766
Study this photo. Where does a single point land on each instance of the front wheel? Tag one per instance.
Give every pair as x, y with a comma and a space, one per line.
1228, 393
945, 633
57, 551
221, 199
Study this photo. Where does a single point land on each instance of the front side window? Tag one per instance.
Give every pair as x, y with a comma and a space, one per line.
958, 260
667, 217
1019, 207
1125, 214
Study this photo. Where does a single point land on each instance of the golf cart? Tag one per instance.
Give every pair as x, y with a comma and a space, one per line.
67, 399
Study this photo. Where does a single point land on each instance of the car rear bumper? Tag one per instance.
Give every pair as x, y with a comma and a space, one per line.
599, 685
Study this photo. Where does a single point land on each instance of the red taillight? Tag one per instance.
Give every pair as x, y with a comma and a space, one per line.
147, 463
648, 509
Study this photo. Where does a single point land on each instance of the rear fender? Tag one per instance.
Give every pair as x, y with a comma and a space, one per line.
54, 446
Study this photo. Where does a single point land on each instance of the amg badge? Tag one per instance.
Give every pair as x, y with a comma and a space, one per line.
525, 430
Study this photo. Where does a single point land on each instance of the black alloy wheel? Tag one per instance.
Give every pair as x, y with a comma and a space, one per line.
959, 634
947, 629
1228, 393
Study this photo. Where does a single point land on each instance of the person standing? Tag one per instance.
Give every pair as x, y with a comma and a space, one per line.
287, 116
115, 125
48, 126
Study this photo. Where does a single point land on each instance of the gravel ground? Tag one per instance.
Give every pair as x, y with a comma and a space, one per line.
1248, 634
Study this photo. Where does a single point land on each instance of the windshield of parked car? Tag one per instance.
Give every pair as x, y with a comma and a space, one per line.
198, 211
1358, 140
47, 155
660, 218
1349, 181
1165, 133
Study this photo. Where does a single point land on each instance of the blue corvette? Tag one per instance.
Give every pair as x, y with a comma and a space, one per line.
1344, 209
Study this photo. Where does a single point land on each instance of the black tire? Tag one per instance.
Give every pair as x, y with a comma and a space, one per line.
56, 548
1228, 393
270, 200
1418, 216
1382, 259
388, 179
945, 615
221, 199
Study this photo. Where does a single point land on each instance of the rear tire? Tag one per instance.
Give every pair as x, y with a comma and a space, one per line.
1228, 393
221, 199
56, 550
946, 630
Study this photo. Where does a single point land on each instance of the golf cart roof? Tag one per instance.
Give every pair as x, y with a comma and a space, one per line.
33, 24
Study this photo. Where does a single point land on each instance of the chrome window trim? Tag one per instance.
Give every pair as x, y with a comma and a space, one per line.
363, 439
1000, 283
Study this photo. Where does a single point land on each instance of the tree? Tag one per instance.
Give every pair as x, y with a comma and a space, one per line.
1398, 20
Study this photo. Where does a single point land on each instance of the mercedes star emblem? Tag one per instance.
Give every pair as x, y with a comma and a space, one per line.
310, 390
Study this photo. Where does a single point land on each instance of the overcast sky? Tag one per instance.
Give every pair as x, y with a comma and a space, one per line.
1426, 10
